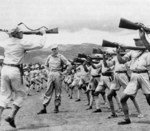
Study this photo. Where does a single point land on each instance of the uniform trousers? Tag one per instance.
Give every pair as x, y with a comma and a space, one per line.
11, 87
54, 83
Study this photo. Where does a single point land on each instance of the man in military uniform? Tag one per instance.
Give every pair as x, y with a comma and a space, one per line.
11, 78
121, 79
54, 64
140, 64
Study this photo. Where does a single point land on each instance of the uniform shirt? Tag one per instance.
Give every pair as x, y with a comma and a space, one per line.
15, 49
117, 66
140, 63
82, 72
93, 72
103, 68
54, 63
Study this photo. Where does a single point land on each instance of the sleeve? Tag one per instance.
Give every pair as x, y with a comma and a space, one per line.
34, 44
99, 65
148, 59
111, 62
47, 60
127, 56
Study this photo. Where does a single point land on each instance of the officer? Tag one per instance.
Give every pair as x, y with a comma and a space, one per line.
54, 64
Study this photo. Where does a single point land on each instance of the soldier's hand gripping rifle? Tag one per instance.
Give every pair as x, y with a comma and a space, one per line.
106, 43
133, 26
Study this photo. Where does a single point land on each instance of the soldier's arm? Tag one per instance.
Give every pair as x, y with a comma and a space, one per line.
125, 58
67, 63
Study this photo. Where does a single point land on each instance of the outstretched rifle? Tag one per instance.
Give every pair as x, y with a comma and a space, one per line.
106, 43
90, 57
49, 31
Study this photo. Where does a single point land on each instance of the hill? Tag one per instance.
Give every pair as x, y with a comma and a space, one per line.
68, 50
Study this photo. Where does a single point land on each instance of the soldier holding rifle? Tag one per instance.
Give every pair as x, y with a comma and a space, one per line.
121, 79
105, 81
140, 63
11, 76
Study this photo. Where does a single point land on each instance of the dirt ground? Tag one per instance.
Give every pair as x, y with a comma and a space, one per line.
73, 116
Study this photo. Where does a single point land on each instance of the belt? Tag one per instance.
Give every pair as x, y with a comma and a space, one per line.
121, 71
20, 69
96, 76
12, 65
142, 71
107, 74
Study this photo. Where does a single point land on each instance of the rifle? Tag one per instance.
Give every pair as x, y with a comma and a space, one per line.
49, 31
89, 57
106, 43
78, 60
131, 25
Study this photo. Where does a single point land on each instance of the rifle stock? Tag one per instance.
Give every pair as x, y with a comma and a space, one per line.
124, 23
78, 60
82, 56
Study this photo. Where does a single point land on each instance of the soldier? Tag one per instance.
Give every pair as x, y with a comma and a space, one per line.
121, 79
54, 64
140, 63
94, 79
83, 81
11, 79
105, 81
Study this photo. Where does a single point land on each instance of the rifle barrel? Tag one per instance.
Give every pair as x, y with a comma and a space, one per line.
133, 48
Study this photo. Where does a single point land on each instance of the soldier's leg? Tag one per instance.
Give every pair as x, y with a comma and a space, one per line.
104, 95
79, 90
123, 101
136, 106
58, 86
99, 89
111, 94
148, 98
118, 102
19, 96
47, 96
71, 91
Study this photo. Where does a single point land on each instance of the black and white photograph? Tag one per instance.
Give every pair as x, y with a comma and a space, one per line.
74, 65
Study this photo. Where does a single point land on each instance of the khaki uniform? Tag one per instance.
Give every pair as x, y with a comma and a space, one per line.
120, 74
139, 76
10, 74
105, 81
54, 65
93, 78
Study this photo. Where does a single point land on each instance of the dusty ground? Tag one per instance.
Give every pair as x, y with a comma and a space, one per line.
73, 116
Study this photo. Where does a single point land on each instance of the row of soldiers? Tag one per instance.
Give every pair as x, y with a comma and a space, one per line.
128, 69
35, 77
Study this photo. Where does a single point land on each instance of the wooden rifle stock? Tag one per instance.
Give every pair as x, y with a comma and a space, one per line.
131, 25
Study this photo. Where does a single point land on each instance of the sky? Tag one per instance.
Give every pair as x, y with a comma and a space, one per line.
78, 21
